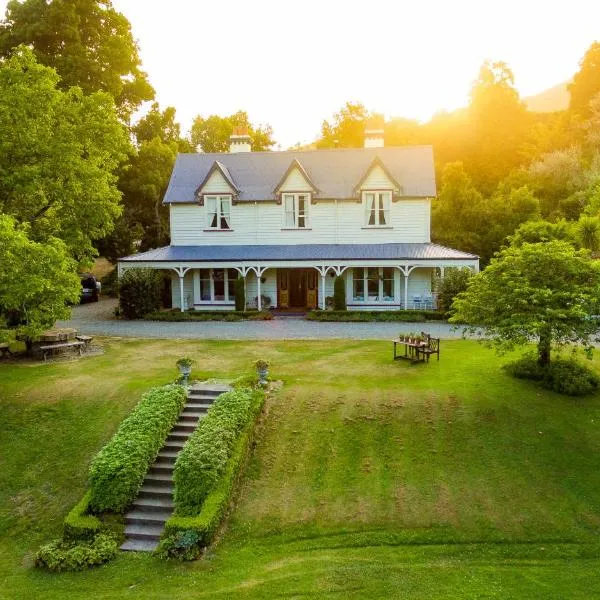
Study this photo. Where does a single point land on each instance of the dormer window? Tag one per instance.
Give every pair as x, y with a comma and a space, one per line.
295, 210
377, 208
218, 212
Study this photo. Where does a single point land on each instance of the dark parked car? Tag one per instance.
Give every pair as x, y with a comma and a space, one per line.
90, 288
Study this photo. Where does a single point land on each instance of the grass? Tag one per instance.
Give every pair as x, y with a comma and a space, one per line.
371, 479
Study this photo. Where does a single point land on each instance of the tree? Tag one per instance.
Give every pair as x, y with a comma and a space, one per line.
454, 282
339, 293
586, 82
540, 293
212, 134
139, 292
162, 125
37, 280
536, 232
57, 165
347, 129
88, 42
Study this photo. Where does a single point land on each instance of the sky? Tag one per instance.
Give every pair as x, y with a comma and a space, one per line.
293, 64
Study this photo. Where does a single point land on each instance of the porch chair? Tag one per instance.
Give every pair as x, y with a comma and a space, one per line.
416, 302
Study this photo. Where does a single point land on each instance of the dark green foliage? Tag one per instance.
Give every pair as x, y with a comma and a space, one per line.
453, 283
203, 459
408, 316
117, 471
61, 555
339, 294
78, 524
139, 292
110, 284
240, 294
565, 376
176, 315
186, 535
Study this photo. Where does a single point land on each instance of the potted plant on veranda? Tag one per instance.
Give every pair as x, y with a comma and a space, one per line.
185, 368
262, 370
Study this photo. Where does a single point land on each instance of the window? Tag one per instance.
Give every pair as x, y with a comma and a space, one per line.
295, 209
217, 285
377, 209
373, 284
218, 212
205, 287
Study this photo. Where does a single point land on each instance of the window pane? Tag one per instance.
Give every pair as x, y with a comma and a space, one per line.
205, 285
370, 209
382, 209
388, 284
373, 283
290, 216
302, 210
225, 213
219, 284
211, 211
232, 275
358, 284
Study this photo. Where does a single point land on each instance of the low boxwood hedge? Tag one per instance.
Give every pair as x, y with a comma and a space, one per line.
202, 498
215, 315
118, 470
78, 524
61, 555
410, 316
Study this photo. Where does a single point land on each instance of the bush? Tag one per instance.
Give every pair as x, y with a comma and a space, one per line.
454, 282
185, 535
409, 316
78, 524
215, 315
203, 459
110, 284
240, 294
339, 294
62, 555
139, 292
565, 376
118, 470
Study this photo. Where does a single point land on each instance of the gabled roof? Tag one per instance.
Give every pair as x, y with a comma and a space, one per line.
377, 163
333, 172
295, 165
221, 168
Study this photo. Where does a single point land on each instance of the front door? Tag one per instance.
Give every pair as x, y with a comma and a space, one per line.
297, 288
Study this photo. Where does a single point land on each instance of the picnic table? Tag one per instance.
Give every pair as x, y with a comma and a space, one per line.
417, 350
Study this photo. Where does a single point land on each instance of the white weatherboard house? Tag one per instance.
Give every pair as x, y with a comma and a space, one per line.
289, 222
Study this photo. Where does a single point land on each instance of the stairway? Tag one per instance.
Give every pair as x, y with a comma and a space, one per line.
145, 520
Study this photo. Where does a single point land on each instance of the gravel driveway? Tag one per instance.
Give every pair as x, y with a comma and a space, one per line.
97, 318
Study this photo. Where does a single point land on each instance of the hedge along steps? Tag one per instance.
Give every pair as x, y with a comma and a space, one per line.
154, 505
207, 470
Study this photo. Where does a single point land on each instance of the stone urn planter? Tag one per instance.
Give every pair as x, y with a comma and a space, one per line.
185, 368
262, 370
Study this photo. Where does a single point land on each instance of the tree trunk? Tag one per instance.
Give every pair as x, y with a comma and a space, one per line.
544, 346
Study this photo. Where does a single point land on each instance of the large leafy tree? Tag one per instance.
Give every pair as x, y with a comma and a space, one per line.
347, 130
58, 155
212, 134
586, 82
542, 293
37, 280
162, 125
88, 42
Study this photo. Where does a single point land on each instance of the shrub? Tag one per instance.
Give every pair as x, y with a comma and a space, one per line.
339, 294
240, 294
62, 555
204, 457
454, 282
78, 524
565, 376
178, 316
110, 284
139, 292
376, 316
117, 471
185, 535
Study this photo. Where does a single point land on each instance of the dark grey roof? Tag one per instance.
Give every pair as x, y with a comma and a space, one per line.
324, 252
335, 173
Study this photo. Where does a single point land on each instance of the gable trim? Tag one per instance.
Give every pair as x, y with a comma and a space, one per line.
224, 172
377, 162
295, 164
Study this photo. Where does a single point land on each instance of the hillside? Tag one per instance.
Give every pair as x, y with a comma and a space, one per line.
550, 100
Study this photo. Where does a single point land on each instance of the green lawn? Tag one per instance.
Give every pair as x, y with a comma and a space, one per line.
370, 479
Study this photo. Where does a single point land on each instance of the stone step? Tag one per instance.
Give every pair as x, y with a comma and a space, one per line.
142, 517
140, 532
156, 491
173, 445
140, 545
153, 504
192, 405
159, 479
165, 454
191, 417
178, 436
162, 467
183, 427
210, 390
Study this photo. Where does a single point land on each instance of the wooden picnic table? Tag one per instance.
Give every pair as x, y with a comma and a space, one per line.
417, 351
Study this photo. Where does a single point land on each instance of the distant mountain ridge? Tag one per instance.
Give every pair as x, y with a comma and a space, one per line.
550, 100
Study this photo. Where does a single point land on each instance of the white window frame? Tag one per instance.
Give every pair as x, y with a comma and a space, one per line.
219, 199
377, 196
365, 280
227, 298
295, 197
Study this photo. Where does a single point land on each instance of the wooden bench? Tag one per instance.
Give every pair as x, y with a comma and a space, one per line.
51, 347
86, 339
432, 347
5, 350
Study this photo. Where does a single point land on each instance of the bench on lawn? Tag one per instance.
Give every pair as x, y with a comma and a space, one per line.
49, 348
86, 339
432, 347
5, 350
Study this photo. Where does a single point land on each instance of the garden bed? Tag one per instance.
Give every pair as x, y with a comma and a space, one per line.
408, 316
176, 315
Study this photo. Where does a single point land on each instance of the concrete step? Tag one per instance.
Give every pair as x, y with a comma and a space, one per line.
173, 445
191, 417
153, 504
155, 491
209, 390
193, 405
168, 455
142, 517
141, 532
162, 467
140, 545
183, 427
159, 479
178, 436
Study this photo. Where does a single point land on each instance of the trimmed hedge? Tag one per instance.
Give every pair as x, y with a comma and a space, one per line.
187, 531
409, 316
139, 292
62, 555
118, 470
78, 524
215, 315
339, 294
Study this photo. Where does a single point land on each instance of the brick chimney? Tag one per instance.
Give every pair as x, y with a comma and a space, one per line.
240, 141
374, 133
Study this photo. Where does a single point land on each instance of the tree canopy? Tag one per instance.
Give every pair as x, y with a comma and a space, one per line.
88, 42
542, 293
162, 125
586, 82
57, 166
